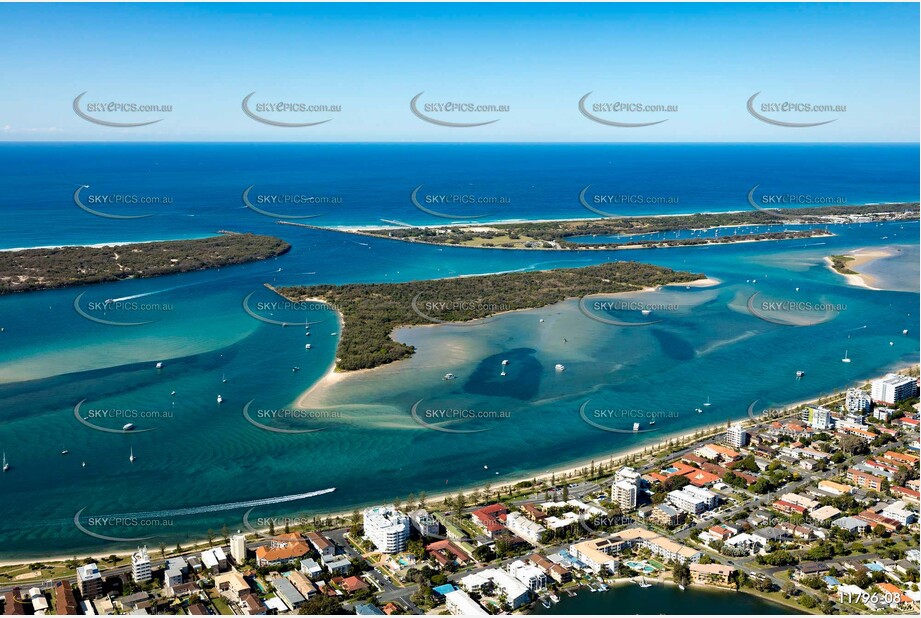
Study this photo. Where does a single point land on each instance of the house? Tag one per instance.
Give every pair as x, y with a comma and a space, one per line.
251, 605
712, 574
490, 518
717, 533
282, 549
367, 609
15, 604
231, 585
352, 584
64, 601
310, 568
851, 524
214, 560
835, 489
446, 551
289, 595
324, 547
556, 572
823, 514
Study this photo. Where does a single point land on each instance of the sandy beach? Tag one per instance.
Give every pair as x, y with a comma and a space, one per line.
861, 257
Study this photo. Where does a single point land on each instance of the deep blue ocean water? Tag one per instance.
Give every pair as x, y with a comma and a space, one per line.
200, 453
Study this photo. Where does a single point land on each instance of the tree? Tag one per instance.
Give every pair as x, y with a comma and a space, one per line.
681, 573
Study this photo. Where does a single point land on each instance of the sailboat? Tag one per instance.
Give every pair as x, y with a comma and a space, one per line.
644, 583
6, 464
223, 378
708, 401
845, 359
131, 457
64, 450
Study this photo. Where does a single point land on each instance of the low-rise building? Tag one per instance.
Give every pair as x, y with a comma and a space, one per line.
424, 523
282, 549
712, 574
693, 500
597, 554
899, 512
531, 531
666, 515
528, 574
214, 560
459, 603
285, 591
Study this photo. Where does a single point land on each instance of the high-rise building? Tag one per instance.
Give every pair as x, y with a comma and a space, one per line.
625, 489
857, 401
818, 417
90, 581
736, 436
893, 388
387, 528
238, 548
140, 565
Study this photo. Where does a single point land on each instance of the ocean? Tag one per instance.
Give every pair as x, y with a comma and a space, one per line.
64, 376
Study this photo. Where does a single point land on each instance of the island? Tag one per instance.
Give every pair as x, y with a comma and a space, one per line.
58, 267
560, 234
371, 311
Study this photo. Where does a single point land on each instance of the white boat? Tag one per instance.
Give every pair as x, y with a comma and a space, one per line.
545, 603
845, 359
307, 334
172, 393
698, 410
505, 362
645, 311
542, 319
636, 426
904, 331
159, 365
652, 422
131, 457
334, 333
127, 426
560, 367
6, 464
220, 399
554, 598
223, 378
307, 347
680, 586
449, 376
83, 464
800, 374
707, 403
502, 374
64, 450
644, 583
295, 369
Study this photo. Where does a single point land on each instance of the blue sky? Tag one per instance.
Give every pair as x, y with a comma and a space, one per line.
538, 59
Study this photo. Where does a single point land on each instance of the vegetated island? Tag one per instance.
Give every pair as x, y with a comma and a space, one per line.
371, 311
840, 264
557, 234
58, 267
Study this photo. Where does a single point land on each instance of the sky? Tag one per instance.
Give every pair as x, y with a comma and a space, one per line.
700, 62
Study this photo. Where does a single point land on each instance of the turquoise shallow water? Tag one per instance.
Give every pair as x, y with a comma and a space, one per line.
202, 459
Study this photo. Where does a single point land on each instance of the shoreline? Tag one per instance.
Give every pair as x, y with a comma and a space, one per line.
860, 257
334, 375
561, 470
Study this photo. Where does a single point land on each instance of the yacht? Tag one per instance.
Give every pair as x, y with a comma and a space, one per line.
307, 347
172, 393
307, 334
560, 367
800, 374
6, 464
845, 359
159, 365
681, 586
636, 426
545, 603
83, 464
64, 450
645, 311
131, 457
904, 331
449, 376
652, 422
698, 410
220, 399
223, 378
502, 374
505, 362
295, 369
644, 583
127, 426
554, 598
707, 403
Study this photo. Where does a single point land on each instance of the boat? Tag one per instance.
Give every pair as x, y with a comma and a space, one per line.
295, 369
560, 367
652, 422
681, 586
220, 399
127, 426
845, 359
307, 334
645, 311
800, 374
159, 365
554, 598
505, 362
707, 403
64, 450
545, 603
904, 331
223, 378
602, 587
172, 393
502, 374
542, 319
449, 376
698, 410
131, 457
644, 583
83, 464
636, 426
6, 464
307, 347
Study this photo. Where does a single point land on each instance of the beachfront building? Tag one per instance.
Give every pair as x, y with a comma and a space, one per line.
282, 549
387, 528
491, 580
424, 523
531, 531
528, 574
214, 560
238, 548
89, 580
712, 574
659, 545
857, 401
818, 417
459, 603
597, 554
736, 436
140, 565
893, 388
